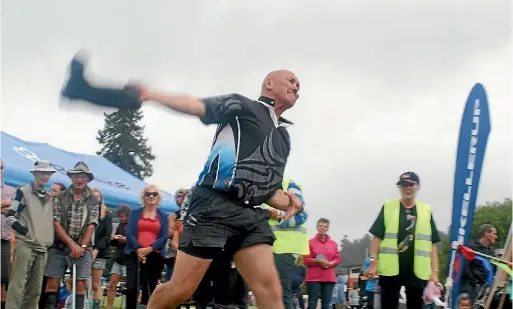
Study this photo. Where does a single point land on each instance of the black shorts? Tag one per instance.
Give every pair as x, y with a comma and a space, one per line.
216, 225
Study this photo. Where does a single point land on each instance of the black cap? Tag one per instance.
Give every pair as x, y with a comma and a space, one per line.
408, 178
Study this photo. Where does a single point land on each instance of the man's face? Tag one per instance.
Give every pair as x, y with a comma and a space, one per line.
123, 218
42, 178
54, 190
79, 181
408, 191
285, 88
179, 199
491, 236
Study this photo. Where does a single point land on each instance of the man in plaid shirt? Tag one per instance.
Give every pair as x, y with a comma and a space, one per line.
75, 213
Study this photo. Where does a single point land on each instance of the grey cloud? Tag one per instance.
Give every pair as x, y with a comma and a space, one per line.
383, 86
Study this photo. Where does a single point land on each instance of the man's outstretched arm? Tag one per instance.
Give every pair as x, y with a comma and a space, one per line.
210, 110
180, 103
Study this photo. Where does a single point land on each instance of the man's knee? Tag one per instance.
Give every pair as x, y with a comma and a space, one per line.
182, 290
187, 275
52, 285
269, 289
81, 286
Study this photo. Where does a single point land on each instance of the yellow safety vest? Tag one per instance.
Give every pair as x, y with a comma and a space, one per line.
388, 260
289, 239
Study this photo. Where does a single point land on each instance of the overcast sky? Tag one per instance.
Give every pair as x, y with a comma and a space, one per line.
383, 86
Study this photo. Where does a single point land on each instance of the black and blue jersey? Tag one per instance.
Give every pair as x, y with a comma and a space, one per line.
250, 148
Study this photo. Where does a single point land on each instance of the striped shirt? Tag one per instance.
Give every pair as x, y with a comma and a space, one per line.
17, 207
77, 213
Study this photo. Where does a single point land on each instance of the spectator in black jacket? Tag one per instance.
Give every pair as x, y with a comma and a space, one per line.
118, 240
474, 274
101, 248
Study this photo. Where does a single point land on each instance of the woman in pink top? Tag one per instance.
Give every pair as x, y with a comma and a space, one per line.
321, 263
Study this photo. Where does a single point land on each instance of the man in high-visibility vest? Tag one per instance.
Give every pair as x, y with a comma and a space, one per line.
403, 248
291, 241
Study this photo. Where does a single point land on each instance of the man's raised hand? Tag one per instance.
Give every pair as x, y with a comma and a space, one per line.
295, 205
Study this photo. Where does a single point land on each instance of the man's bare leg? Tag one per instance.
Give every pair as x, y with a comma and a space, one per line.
256, 266
52, 286
187, 274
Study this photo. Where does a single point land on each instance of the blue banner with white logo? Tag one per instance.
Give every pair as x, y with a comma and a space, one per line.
474, 131
117, 186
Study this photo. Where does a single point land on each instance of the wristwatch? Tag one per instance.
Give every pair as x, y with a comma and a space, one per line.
84, 246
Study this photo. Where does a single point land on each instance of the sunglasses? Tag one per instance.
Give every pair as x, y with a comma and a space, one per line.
148, 194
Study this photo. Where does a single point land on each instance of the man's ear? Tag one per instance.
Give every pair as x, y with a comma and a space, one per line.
269, 83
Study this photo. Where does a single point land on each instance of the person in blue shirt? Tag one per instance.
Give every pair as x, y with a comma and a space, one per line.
338, 299
369, 286
298, 277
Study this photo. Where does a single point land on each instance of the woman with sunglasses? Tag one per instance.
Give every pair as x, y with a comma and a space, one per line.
146, 233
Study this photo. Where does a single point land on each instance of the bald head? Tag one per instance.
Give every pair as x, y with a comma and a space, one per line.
276, 75
282, 86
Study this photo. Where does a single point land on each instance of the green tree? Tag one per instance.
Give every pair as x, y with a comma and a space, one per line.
495, 213
123, 143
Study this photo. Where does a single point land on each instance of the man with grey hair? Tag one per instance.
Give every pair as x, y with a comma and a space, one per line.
31, 216
474, 274
75, 217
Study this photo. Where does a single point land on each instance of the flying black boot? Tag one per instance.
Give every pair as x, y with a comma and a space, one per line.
78, 88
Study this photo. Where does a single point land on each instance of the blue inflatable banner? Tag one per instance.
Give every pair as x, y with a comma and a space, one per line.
117, 186
474, 131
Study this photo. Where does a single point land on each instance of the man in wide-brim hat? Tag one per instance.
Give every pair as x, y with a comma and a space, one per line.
31, 216
73, 234
80, 168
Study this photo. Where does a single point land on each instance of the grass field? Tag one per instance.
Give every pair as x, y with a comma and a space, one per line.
117, 303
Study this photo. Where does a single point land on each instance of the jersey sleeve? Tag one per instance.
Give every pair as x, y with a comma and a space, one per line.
435, 237
378, 227
221, 109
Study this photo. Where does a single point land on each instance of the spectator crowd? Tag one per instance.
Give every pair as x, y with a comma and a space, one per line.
45, 234
69, 230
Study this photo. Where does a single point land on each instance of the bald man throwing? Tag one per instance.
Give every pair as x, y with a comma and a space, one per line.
244, 169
